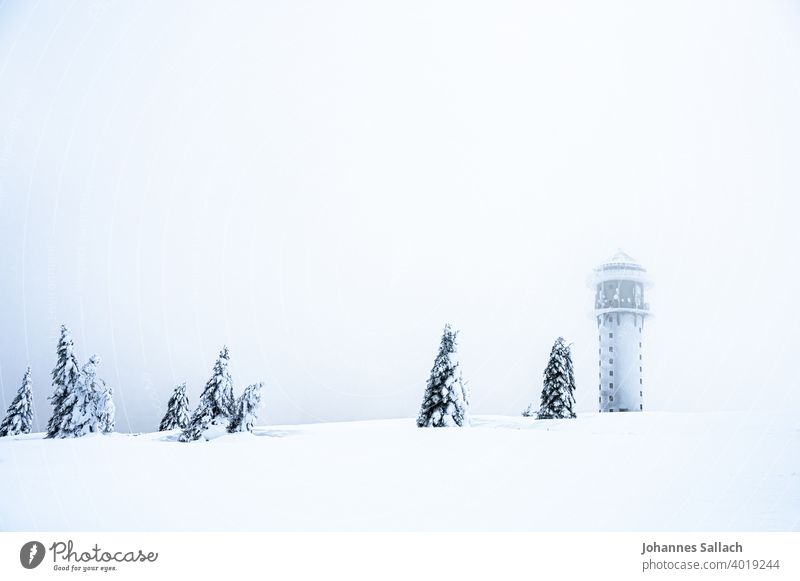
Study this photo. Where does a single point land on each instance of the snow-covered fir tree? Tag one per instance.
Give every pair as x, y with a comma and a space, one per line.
558, 390
19, 418
107, 411
246, 409
216, 406
177, 415
446, 400
65, 376
570, 376
88, 408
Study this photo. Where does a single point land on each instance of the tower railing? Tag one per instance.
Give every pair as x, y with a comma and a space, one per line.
621, 304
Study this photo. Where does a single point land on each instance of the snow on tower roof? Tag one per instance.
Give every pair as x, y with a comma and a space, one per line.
620, 256
621, 266
621, 260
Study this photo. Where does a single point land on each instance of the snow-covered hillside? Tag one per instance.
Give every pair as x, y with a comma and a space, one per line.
643, 471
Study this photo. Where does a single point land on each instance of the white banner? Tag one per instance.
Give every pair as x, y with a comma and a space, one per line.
378, 556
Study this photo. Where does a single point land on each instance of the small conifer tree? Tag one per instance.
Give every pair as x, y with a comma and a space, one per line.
446, 399
86, 408
558, 389
19, 418
247, 407
65, 376
177, 415
107, 411
216, 402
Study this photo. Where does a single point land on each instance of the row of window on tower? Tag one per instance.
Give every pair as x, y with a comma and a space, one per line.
611, 397
611, 372
611, 361
609, 319
618, 293
611, 350
611, 383
626, 410
611, 335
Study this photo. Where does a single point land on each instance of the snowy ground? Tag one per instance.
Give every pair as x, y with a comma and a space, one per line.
627, 472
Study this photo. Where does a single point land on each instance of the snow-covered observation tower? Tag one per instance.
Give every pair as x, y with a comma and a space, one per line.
620, 311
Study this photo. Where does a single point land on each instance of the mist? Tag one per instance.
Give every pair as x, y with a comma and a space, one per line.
322, 187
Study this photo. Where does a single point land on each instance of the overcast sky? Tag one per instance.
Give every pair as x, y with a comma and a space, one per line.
322, 186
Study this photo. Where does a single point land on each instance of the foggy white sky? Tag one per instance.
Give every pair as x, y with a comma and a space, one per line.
322, 186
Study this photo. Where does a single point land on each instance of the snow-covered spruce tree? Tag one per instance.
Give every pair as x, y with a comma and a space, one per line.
19, 418
529, 412
558, 390
446, 399
65, 376
107, 411
246, 409
177, 415
216, 402
88, 408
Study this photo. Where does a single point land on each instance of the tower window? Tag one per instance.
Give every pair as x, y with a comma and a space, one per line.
610, 398
611, 385
640, 356
640, 407
640, 393
611, 372
640, 381
611, 409
599, 399
611, 360
611, 335
611, 348
640, 369
640, 344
